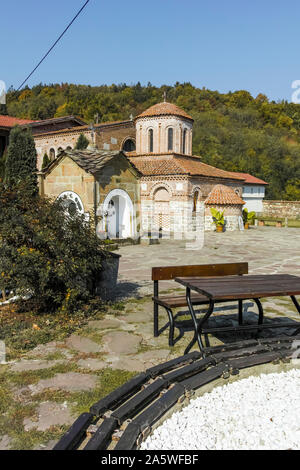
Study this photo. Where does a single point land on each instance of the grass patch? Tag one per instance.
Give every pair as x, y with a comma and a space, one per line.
109, 380
27, 440
24, 331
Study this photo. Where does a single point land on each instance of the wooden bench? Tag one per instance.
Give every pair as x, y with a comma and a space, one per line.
170, 302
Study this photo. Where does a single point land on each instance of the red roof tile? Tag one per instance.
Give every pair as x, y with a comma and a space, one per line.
165, 109
9, 121
223, 195
250, 179
178, 165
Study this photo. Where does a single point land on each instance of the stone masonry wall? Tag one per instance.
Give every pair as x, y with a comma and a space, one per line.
231, 215
281, 209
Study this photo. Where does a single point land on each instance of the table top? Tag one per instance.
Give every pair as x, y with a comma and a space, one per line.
243, 287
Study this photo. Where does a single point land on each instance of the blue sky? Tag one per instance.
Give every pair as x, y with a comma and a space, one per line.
222, 45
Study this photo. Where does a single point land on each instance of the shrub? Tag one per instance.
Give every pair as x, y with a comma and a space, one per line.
82, 142
46, 161
54, 257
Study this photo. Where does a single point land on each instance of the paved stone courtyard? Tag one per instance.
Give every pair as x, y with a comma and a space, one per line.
55, 381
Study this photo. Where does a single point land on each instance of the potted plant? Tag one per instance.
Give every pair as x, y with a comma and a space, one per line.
218, 218
248, 218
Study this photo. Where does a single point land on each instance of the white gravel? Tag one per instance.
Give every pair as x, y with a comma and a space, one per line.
254, 413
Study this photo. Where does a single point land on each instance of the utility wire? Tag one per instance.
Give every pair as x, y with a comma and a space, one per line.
52, 47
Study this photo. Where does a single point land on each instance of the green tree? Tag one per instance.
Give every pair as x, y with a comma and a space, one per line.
53, 257
21, 161
2, 166
82, 142
46, 161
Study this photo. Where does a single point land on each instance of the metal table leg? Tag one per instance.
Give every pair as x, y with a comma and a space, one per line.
260, 311
197, 323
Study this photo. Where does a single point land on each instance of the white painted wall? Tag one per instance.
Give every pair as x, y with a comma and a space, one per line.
253, 196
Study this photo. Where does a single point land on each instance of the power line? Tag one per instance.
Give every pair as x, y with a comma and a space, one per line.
52, 47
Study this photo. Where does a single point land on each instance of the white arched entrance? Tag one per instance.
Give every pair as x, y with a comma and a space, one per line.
118, 220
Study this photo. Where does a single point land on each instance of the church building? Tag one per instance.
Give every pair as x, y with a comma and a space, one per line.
139, 177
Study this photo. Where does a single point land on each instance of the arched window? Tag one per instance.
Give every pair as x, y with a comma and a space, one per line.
69, 148
129, 145
150, 140
71, 203
195, 200
60, 149
184, 141
52, 154
170, 139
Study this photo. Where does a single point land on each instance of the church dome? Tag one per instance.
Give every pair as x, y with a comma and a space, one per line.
165, 109
223, 195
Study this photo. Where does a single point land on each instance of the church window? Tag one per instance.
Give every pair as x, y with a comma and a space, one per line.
150, 137
52, 154
196, 196
170, 139
184, 141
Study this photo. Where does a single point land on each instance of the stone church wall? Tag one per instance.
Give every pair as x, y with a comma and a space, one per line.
281, 209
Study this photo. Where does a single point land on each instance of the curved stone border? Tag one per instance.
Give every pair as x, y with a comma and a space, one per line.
122, 419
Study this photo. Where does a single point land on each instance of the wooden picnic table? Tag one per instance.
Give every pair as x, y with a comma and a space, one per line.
239, 288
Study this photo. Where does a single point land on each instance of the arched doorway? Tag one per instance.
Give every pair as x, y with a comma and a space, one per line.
118, 220
129, 145
162, 209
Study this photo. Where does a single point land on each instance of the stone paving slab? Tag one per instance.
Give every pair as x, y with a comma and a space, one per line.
69, 381
119, 342
49, 414
43, 350
23, 366
92, 364
82, 344
107, 323
5, 443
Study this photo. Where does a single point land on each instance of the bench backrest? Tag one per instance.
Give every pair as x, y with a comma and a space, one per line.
164, 273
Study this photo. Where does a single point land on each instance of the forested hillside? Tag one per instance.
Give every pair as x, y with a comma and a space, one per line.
233, 131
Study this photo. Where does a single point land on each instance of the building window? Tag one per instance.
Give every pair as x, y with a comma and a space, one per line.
69, 148
129, 145
150, 137
52, 154
184, 141
170, 139
195, 200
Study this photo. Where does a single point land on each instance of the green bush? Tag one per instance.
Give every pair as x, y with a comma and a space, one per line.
82, 142
45, 253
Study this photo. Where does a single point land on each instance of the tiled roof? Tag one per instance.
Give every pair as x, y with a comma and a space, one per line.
54, 120
178, 165
249, 179
223, 195
10, 121
82, 128
92, 161
165, 109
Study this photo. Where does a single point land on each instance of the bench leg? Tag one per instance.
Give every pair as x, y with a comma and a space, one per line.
155, 320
